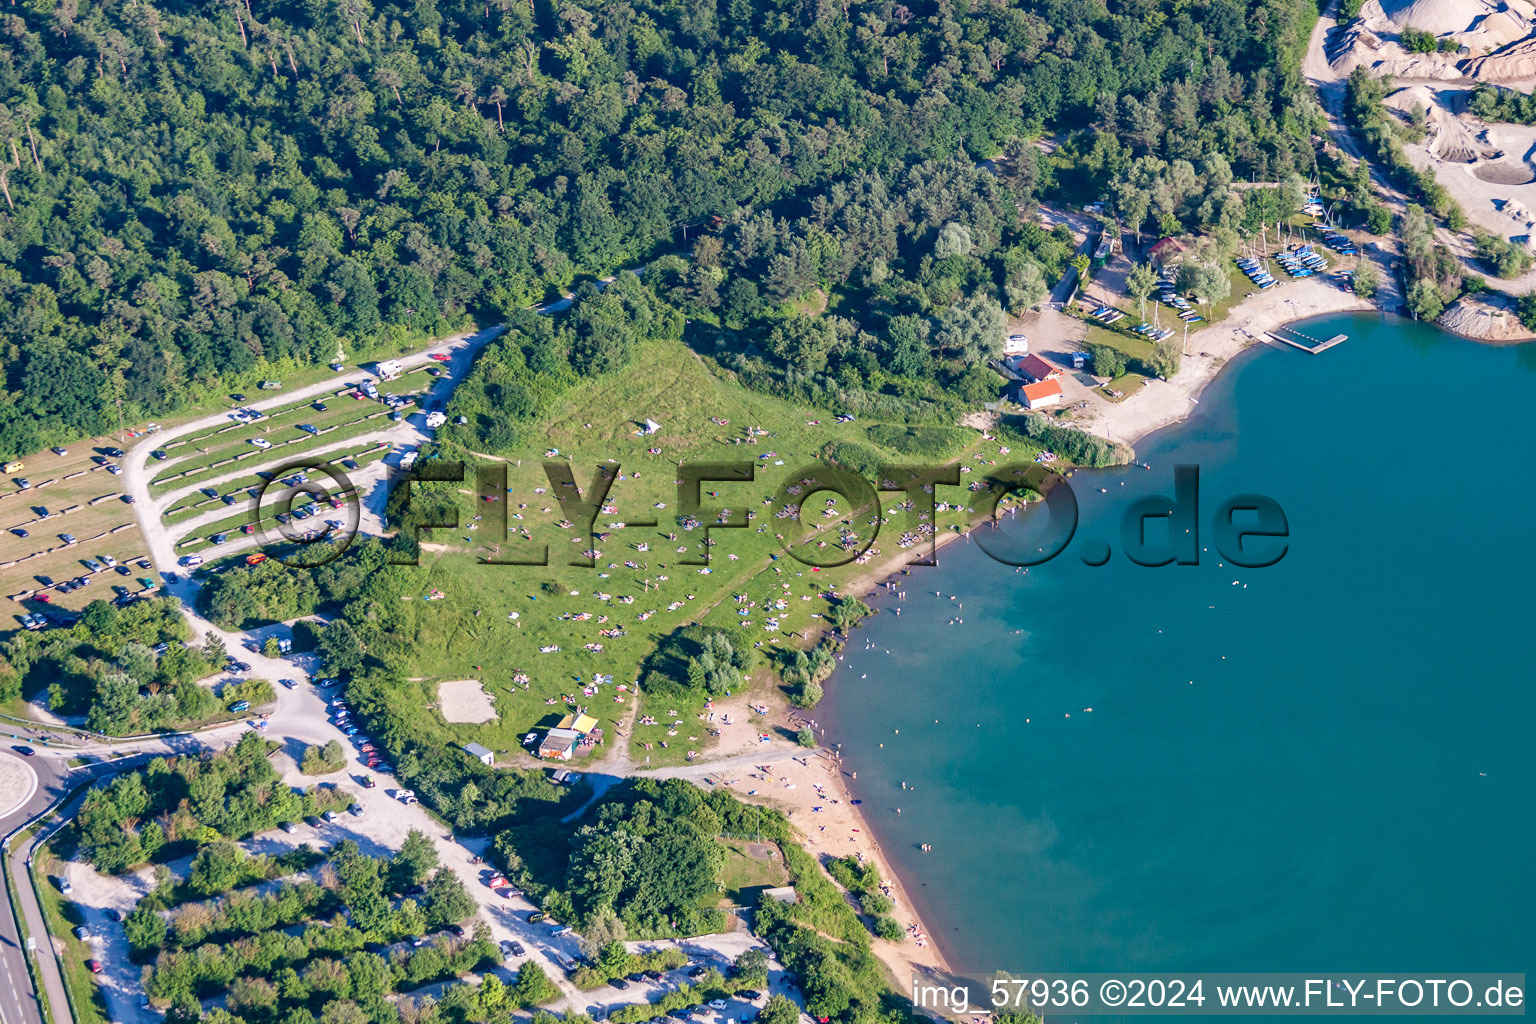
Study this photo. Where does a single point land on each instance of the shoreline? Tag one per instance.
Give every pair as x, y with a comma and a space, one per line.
1170, 403
1162, 403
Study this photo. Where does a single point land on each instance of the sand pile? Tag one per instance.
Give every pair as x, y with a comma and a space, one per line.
1498, 37
1514, 65
1450, 138
1488, 319
1442, 17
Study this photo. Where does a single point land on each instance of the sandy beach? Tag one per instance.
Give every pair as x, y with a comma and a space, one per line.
1163, 402
811, 789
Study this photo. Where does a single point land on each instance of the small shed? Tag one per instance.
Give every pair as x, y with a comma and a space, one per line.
480, 753
559, 744
784, 894
1040, 395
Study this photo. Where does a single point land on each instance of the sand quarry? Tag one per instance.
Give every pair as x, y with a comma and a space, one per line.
1489, 168
465, 700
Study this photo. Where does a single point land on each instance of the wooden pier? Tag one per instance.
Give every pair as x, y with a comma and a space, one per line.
1307, 343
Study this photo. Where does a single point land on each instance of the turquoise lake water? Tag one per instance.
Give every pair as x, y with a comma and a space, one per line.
1325, 767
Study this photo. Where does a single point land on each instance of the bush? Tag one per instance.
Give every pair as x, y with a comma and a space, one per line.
887, 929
1505, 257
806, 738
1078, 446
1417, 40
257, 691
323, 760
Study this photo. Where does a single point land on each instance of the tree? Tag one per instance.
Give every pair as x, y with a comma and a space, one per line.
1107, 361
1425, 300
414, 862
1025, 288
806, 738
972, 329
447, 902
533, 986
1378, 219
752, 963
1139, 283
1366, 279
1165, 359
779, 1009
954, 240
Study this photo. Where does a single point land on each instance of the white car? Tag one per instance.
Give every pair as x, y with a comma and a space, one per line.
261, 442
717, 1004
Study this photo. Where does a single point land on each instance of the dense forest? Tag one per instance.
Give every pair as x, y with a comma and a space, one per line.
199, 193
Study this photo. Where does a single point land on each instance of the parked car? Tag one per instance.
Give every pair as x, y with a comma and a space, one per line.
61, 451
94, 966
158, 455
329, 815
115, 470
717, 1004
618, 983
68, 538
116, 453
368, 782
290, 827
108, 561
18, 531
319, 407
93, 565
356, 810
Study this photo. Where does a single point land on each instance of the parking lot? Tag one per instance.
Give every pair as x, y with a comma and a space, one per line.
68, 496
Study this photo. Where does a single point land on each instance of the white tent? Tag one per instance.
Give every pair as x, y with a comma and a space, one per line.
651, 426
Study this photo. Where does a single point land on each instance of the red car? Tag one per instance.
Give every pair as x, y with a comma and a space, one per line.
43, 598
441, 357
94, 966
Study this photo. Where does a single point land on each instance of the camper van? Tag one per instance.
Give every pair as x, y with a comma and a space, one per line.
387, 368
271, 385
407, 460
13, 467
436, 419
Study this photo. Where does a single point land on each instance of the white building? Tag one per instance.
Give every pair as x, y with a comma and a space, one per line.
1040, 395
